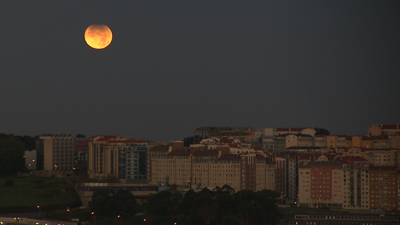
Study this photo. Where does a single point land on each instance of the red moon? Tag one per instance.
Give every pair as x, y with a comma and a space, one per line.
98, 36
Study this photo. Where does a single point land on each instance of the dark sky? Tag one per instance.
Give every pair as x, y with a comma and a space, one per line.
174, 66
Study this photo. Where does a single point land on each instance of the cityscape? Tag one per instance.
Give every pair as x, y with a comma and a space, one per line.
199, 112
307, 167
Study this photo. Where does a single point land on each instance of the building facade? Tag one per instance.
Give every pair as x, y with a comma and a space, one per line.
56, 152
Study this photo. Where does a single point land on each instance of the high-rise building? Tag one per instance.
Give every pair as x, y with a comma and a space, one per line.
384, 187
122, 157
355, 182
320, 184
55, 152
211, 168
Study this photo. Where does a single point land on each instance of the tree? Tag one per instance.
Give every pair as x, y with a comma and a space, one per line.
80, 136
185, 206
108, 203
206, 208
29, 141
12, 158
187, 141
255, 208
163, 204
321, 131
102, 203
223, 199
126, 202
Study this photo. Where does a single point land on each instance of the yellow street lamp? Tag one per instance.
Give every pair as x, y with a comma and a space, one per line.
39, 210
70, 217
94, 217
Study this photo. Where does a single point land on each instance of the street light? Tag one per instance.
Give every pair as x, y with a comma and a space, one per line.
94, 216
120, 219
39, 210
68, 210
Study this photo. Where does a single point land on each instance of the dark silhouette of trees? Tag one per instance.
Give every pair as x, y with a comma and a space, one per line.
164, 204
321, 131
218, 206
80, 136
12, 158
187, 141
28, 141
255, 208
108, 203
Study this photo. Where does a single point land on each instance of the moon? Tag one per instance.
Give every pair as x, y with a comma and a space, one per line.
98, 36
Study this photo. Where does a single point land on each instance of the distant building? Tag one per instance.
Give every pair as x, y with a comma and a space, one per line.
210, 168
121, 157
320, 185
384, 129
385, 187
355, 182
295, 130
244, 134
81, 150
55, 152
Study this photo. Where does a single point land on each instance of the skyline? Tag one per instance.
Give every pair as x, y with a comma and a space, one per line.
173, 67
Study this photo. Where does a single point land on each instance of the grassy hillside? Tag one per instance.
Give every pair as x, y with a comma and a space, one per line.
37, 191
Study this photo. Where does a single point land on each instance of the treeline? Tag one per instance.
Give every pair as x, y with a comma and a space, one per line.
28, 141
12, 150
211, 207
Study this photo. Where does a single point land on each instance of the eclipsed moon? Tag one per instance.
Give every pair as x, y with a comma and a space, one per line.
98, 36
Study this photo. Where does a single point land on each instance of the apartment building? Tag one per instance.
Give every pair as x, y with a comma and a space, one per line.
355, 182
383, 157
55, 152
384, 129
320, 184
244, 134
81, 150
291, 162
384, 187
280, 174
211, 168
122, 157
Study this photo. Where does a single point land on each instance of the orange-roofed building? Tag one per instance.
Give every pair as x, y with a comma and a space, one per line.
384, 129
122, 157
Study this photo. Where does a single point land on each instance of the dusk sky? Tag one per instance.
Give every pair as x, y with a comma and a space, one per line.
174, 66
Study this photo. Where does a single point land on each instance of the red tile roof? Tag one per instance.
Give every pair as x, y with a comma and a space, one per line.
389, 126
234, 145
258, 156
126, 141
227, 140
159, 148
350, 159
106, 138
205, 153
380, 137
